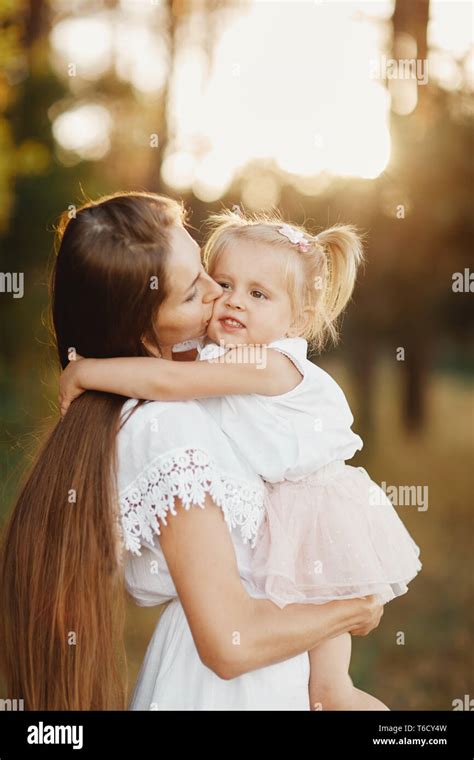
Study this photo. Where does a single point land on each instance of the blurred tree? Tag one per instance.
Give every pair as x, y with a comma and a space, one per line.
33, 188
410, 19
432, 175
181, 28
12, 68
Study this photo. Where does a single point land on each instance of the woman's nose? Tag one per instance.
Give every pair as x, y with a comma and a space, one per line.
214, 290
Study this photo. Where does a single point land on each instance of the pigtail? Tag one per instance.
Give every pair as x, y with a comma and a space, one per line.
343, 253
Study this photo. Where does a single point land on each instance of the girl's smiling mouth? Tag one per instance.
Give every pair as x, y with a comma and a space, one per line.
229, 324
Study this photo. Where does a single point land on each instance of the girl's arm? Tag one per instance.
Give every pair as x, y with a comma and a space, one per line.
268, 372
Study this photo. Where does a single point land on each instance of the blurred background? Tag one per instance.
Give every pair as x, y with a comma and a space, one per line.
356, 112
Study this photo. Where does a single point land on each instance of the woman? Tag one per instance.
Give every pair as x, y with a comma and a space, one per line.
128, 281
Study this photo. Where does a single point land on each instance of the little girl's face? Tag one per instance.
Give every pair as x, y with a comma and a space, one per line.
255, 306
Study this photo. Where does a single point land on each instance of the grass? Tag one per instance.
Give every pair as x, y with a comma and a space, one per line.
435, 664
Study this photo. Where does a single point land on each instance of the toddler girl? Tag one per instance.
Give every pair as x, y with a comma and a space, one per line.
329, 531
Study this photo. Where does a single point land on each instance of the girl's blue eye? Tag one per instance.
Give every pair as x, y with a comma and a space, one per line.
259, 293
223, 284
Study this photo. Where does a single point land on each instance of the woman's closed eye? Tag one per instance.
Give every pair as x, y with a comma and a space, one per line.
192, 296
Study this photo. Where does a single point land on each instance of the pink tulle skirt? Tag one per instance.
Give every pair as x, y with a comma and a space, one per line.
332, 535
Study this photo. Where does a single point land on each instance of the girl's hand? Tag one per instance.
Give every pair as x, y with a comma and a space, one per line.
69, 385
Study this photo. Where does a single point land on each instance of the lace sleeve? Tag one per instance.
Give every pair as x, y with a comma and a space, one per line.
189, 473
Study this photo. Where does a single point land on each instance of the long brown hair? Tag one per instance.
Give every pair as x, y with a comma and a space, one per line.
63, 599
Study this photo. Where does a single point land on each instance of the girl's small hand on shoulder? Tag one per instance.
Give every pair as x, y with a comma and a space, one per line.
70, 387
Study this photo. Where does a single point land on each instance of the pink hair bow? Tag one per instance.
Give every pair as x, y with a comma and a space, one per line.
295, 236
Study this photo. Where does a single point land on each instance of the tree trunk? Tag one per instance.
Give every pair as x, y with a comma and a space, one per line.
410, 17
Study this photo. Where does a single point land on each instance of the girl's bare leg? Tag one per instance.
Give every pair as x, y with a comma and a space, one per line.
330, 685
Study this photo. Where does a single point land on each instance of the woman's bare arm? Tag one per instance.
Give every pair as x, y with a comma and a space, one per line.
233, 632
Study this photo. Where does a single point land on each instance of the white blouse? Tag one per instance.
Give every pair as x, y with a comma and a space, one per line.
175, 450
289, 436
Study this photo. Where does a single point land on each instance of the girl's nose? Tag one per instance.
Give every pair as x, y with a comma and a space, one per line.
233, 301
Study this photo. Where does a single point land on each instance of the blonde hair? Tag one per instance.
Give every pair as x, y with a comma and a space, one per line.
320, 274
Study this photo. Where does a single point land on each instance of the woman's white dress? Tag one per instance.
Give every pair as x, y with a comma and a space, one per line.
176, 450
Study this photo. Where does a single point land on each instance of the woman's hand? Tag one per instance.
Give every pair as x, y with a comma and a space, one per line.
69, 385
371, 611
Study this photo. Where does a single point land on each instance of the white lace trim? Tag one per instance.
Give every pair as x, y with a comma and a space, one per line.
186, 474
